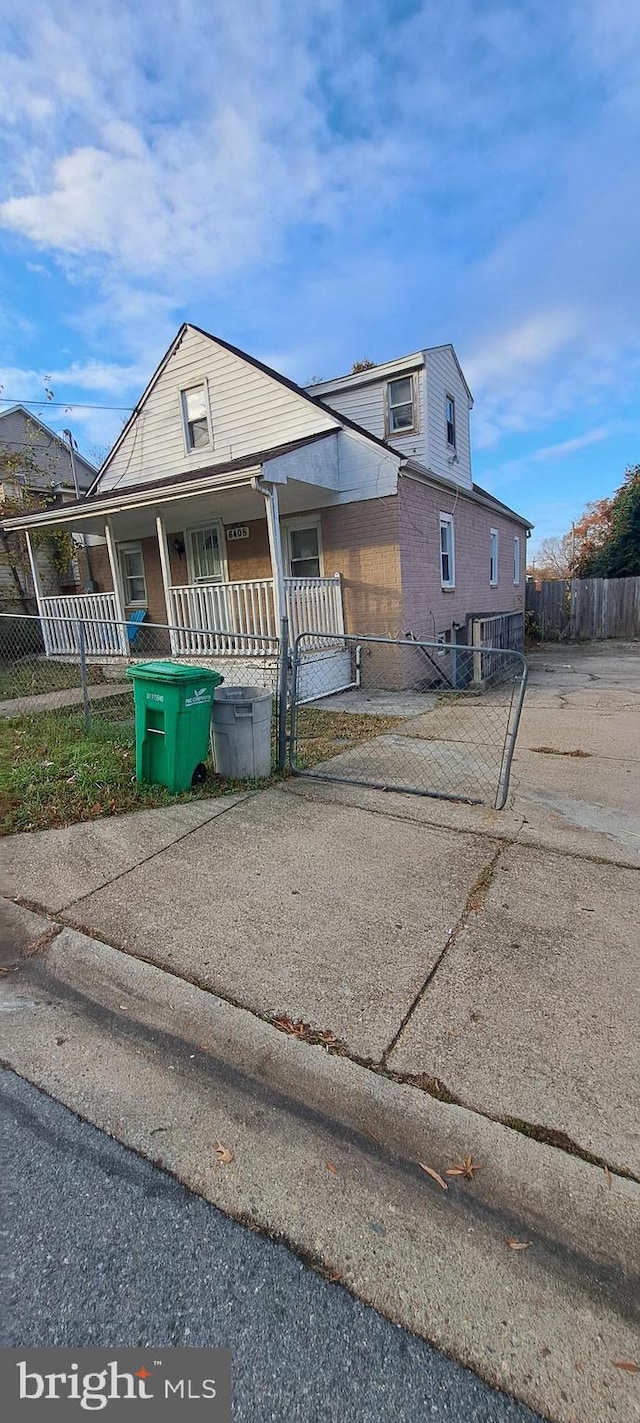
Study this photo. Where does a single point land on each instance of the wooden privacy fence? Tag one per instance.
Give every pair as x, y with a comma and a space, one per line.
580, 608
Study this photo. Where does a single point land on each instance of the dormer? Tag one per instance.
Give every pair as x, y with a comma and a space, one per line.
419, 403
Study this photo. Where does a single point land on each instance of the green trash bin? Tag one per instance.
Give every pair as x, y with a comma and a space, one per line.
173, 715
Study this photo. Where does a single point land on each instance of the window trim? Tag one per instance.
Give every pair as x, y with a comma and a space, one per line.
291, 525
184, 390
493, 580
132, 546
450, 445
447, 521
516, 560
218, 525
411, 429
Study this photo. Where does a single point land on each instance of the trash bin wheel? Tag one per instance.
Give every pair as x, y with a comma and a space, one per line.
200, 775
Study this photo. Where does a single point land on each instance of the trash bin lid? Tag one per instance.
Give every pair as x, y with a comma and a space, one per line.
172, 672
242, 694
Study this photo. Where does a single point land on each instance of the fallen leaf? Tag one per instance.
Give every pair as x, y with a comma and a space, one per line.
608, 1177
465, 1168
434, 1175
627, 1364
330, 1167
225, 1157
333, 1279
514, 1244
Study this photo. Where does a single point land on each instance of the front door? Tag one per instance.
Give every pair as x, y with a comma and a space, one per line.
204, 554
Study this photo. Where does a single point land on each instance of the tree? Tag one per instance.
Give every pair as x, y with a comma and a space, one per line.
609, 533
554, 558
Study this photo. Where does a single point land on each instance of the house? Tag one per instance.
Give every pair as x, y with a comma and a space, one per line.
234, 496
38, 470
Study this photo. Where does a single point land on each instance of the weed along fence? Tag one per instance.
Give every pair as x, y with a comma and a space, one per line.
581, 608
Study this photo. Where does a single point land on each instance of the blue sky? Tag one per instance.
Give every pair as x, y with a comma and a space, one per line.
318, 183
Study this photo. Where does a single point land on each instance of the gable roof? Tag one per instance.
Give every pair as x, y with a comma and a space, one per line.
53, 434
298, 390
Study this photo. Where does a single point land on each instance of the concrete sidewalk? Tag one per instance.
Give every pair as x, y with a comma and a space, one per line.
443, 954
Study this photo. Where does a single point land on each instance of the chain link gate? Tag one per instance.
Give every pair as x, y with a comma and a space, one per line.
424, 718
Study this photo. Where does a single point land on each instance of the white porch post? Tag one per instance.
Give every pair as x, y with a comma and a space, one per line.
275, 549
163, 549
117, 587
37, 588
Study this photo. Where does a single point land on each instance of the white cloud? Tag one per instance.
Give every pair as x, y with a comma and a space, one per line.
467, 165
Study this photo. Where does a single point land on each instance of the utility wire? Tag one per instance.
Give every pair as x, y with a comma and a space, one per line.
63, 404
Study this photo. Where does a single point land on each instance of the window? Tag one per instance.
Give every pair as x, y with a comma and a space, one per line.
195, 415
493, 558
134, 585
516, 559
400, 414
304, 550
450, 415
205, 555
447, 552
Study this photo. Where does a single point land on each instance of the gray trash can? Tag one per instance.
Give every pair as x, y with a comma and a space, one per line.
241, 732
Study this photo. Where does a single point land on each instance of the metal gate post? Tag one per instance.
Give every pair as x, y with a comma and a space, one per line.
82, 649
283, 683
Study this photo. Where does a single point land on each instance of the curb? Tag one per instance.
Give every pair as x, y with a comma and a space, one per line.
572, 1205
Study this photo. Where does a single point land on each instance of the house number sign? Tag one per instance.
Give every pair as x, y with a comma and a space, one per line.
238, 531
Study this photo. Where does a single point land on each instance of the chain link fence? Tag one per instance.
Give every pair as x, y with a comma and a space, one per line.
88, 678
428, 718
67, 725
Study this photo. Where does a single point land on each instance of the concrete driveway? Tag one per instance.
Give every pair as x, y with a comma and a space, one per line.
492, 957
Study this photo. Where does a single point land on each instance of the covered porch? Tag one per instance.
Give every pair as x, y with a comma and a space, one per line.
213, 569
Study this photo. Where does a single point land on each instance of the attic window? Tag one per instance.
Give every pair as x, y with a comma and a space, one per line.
195, 415
400, 405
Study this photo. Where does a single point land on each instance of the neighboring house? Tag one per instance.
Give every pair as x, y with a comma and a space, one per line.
38, 470
234, 495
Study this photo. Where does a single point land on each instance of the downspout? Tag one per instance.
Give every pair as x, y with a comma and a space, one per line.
272, 509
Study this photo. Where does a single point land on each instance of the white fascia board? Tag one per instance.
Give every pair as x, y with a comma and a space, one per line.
369, 377
142, 499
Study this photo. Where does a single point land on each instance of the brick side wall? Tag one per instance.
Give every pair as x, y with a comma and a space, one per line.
360, 541
430, 609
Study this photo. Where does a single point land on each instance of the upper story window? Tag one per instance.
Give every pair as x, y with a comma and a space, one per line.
516, 559
450, 416
447, 552
401, 415
493, 558
195, 416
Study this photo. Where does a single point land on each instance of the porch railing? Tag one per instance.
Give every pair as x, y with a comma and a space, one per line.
59, 619
314, 604
246, 610
239, 607
241, 616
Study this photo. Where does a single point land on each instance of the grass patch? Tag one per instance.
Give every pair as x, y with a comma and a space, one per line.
35, 676
321, 734
53, 772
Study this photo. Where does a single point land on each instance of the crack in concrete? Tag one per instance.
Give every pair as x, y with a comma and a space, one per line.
473, 903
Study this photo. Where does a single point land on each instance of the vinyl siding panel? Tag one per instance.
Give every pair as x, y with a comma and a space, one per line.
442, 378
250, 411
366, 405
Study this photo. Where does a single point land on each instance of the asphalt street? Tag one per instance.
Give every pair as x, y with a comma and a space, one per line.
104, 1249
